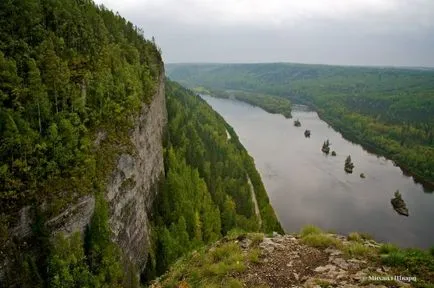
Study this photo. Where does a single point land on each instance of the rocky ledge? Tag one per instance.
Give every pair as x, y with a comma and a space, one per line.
287, 262
311, 259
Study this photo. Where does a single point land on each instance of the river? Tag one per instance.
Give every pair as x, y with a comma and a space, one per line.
307, 187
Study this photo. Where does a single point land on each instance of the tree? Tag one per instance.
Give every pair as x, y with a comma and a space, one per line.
228, 215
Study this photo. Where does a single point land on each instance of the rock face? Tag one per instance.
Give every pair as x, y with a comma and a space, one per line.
133, 185
130, 190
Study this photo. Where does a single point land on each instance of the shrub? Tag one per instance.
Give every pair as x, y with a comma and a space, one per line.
388, 248
356, 249
354, 236
320, 241
394, 258
310, 229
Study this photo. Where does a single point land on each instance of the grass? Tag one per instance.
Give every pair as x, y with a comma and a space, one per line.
310, 230
358, 250
256, 238
414, 262
320, 241
388, 248
354, 236
366, 236
254, 255
209, 268
315, 237
323, 283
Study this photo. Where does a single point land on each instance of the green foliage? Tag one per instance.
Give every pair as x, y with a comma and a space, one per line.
208, 268
354, 236
320, 240
388, 110
315, 237
417, 262
94, 262
387, 248
357, 249
67, 68
67, 266
206, 192
310, 230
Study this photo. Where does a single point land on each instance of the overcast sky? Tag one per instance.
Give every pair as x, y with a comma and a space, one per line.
355, 32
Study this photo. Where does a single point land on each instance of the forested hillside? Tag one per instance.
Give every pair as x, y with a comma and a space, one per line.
388, 110
68, 69
206, 193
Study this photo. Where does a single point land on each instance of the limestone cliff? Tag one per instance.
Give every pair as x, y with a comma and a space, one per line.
130, 190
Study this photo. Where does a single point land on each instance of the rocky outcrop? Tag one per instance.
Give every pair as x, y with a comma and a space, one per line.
312, 259
130, 191
132, 187
286, 262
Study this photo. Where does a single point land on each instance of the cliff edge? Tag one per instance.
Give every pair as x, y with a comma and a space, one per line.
309, 259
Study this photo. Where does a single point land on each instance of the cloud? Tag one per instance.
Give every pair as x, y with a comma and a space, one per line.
382, 32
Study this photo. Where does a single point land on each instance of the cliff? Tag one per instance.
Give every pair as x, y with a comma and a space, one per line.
130, 191
133, 185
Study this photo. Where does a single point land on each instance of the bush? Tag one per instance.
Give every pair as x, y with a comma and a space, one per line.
395, 258
356, 249
388, 248
310, 229
256, 238
320, 241
354, 236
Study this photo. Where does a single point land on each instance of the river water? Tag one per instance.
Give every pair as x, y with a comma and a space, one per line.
307, 187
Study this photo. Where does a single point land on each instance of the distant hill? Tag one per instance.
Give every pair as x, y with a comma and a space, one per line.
388, 110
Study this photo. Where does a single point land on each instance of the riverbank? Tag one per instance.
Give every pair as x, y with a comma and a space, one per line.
271, 104
373, 149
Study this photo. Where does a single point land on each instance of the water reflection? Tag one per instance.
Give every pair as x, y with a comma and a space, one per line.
307, 187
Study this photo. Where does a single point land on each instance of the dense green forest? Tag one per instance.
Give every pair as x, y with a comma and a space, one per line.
68, 68
388, 110
65, 68
206, 193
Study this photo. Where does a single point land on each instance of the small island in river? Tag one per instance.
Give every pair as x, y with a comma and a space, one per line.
399, 204
348, 165
297, 123
326, 147
307, 133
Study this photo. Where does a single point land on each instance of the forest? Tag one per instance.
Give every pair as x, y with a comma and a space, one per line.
206, 193
67, 69
388, 110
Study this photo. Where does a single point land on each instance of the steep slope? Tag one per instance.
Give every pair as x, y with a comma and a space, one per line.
209, 185
387, 110
82, 117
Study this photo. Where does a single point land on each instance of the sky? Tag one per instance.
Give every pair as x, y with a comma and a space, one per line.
342, 32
